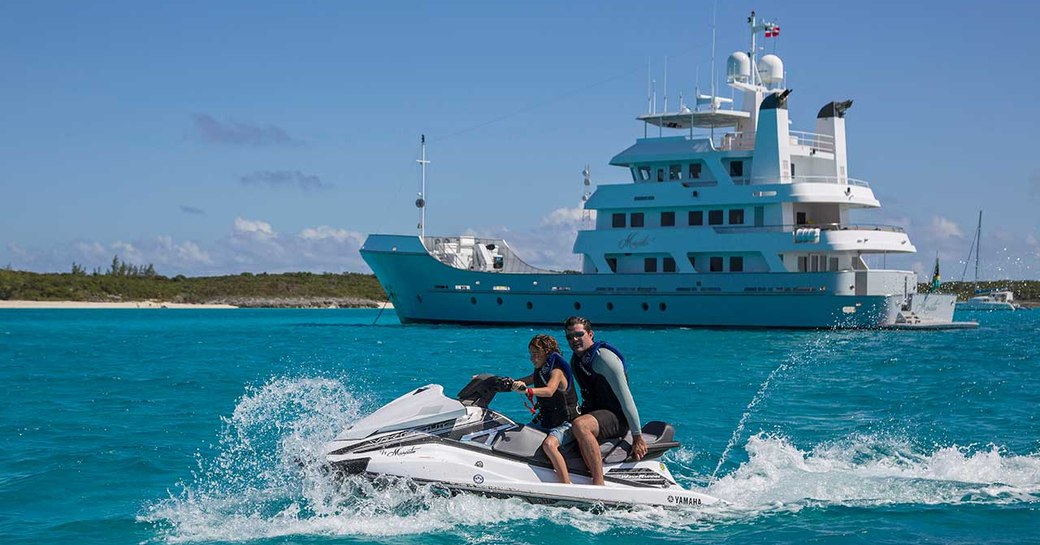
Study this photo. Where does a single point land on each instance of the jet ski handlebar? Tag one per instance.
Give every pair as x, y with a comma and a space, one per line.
483, 388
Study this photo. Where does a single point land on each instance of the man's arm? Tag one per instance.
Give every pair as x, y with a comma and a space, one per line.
609, 365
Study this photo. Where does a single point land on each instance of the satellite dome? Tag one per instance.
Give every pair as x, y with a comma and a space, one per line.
738, 66
771, 69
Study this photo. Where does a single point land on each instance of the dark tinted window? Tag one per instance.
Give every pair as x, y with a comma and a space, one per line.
650, 264
736, 264
715, 217
736, 216
715, 264
695, 170
612, 263
667, 219
736, 169
618, 220
668, 265
696, 217
637, 219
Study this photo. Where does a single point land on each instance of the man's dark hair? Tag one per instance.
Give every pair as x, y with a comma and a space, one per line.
575, 320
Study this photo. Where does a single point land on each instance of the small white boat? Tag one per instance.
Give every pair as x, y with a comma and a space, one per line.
985, 299
994, 300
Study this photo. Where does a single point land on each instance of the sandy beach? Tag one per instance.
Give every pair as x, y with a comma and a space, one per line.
159, 304
89, 304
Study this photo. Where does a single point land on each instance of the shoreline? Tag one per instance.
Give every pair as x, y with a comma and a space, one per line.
21, 304
101, 305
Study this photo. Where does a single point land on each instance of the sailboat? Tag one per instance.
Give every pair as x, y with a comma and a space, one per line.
999, 299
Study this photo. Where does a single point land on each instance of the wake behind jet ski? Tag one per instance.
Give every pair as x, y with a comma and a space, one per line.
462, 445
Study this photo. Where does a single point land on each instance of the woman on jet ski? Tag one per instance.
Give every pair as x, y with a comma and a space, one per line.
553, 385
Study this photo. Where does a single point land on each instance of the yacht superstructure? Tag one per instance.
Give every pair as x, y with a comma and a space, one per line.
731, 219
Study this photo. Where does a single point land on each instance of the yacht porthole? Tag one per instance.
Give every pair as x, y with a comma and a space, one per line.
577, 305
646, 306
663, 307
610, 306
473, 300
530, 305
419, 298
498, 300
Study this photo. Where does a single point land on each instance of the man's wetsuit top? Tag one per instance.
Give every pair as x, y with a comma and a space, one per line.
562, 406
603, 381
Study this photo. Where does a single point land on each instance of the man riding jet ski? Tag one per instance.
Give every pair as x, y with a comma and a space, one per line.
462, 445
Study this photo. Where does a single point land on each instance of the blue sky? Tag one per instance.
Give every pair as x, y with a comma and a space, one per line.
213, 138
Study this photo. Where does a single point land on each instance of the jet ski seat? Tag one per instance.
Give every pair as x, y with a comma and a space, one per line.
526, 442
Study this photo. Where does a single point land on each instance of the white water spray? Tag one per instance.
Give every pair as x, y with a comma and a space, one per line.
814, 348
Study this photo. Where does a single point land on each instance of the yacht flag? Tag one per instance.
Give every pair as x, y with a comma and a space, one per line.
935, 276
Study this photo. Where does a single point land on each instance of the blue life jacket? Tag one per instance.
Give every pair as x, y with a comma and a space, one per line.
596, 392
561, 406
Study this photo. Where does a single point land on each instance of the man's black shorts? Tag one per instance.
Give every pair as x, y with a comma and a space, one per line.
610, 424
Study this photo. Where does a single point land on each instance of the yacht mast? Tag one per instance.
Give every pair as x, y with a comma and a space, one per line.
420, 202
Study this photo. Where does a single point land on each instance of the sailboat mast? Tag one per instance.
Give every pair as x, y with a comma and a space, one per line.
978, 249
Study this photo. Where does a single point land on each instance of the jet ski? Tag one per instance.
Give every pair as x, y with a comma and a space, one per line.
461, 445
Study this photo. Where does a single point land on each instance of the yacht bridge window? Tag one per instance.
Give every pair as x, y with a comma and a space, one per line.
667, 219
714, 217
618, 219
637, 219
695, 171
736, 216
696, 217
674, 172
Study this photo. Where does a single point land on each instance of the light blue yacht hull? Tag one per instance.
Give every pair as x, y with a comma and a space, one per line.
424, 290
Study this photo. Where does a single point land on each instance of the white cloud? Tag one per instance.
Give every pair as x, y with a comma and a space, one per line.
255, 228
324, 232
943, 228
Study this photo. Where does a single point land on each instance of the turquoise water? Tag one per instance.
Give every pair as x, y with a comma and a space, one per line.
201, 426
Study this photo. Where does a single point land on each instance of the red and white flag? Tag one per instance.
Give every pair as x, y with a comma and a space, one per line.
772, 31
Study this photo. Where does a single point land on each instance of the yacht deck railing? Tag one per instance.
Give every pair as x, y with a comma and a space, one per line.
745, 140
788, 228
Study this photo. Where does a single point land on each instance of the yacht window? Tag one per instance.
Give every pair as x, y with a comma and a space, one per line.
792, 169
695, 171
637, 219
668, 264
660, 175
674, 172
644, 173
693, 261
715, 264
612, 263
736, 169
667, 219
736, 216
803, 263
650, 264
814, 263
696, 217
800, 218
618, 220
635, 174
833, 264
736, 264
714, 217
